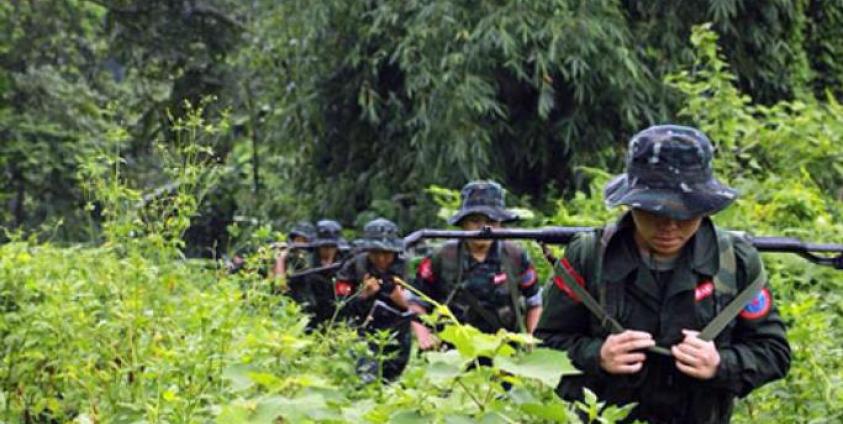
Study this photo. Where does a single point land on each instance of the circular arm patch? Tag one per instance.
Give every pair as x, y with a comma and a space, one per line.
759, 306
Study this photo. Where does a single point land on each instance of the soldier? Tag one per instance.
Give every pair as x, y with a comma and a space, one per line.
292, 259
315, 291
369, 288
663, 273
486, 283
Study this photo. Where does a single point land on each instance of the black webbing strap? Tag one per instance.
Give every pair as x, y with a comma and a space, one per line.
713, 328
606, 320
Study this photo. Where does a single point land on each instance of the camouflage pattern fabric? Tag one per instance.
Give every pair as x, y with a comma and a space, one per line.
484, 198
669, 172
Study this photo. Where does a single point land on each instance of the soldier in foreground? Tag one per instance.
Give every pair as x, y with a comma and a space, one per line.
372, 299
488, 284
664, 272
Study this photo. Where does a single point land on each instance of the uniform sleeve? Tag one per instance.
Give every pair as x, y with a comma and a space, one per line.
564, 322
346, 288
759, 351
528, 282
428, 281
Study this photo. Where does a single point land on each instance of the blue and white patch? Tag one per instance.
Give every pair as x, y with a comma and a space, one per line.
759, 306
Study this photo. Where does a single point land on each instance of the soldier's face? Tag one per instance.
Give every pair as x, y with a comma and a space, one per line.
327, 252
381, 259
476, 222
299, 240
663, 235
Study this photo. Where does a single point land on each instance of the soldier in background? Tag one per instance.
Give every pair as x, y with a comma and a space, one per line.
369, 289
488, 284
314, 291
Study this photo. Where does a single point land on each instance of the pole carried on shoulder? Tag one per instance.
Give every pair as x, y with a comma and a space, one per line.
813, 252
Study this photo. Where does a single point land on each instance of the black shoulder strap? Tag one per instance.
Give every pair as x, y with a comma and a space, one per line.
606, 320
511, 263
728, 269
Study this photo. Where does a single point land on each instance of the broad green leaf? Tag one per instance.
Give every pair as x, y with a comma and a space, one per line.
543, 364
408, 417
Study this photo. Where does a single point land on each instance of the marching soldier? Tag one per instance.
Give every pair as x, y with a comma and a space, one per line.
665, 276
369, 288
488, 284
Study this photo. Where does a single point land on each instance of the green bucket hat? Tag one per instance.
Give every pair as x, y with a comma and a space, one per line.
381, 234
669, 172
483, 198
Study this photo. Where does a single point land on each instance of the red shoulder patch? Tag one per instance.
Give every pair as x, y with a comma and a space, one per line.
342, 288
426, 270
759, 306
560, 283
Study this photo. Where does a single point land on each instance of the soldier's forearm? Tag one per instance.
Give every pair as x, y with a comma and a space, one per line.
415, 307
531, 319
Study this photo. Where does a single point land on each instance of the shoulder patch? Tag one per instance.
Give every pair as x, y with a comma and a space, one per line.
529, 277
560, 283
759, 306
426, 269
342, 288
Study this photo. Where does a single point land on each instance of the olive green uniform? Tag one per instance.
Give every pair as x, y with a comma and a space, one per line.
753, 347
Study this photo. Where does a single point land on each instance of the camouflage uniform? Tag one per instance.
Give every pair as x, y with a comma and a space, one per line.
483, 294
377, 312
669, 172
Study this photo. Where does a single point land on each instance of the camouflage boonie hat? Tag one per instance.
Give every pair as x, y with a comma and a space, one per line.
302, 229
669, 172
329, 233
381, 234
483, 198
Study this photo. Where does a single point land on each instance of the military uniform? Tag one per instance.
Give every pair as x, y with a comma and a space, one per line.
664, 297
314, 292
490, 294
506, 279
379, 311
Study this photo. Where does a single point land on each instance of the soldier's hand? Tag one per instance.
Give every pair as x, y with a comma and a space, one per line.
371, 286
427, 341
696, 357
621, 353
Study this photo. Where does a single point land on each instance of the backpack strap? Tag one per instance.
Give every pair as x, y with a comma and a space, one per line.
577, 285
726, 282
511, 263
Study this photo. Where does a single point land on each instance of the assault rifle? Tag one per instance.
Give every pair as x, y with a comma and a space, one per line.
817, 253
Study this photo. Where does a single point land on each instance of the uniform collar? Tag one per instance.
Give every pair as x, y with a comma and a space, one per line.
702, 250
492, 257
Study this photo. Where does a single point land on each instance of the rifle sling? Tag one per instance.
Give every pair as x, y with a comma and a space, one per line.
713, 328
606, 320
474, 303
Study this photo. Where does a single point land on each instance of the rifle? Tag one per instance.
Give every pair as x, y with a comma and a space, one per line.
813, 252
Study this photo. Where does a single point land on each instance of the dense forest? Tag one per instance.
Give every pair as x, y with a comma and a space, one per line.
139, 140
352, 109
